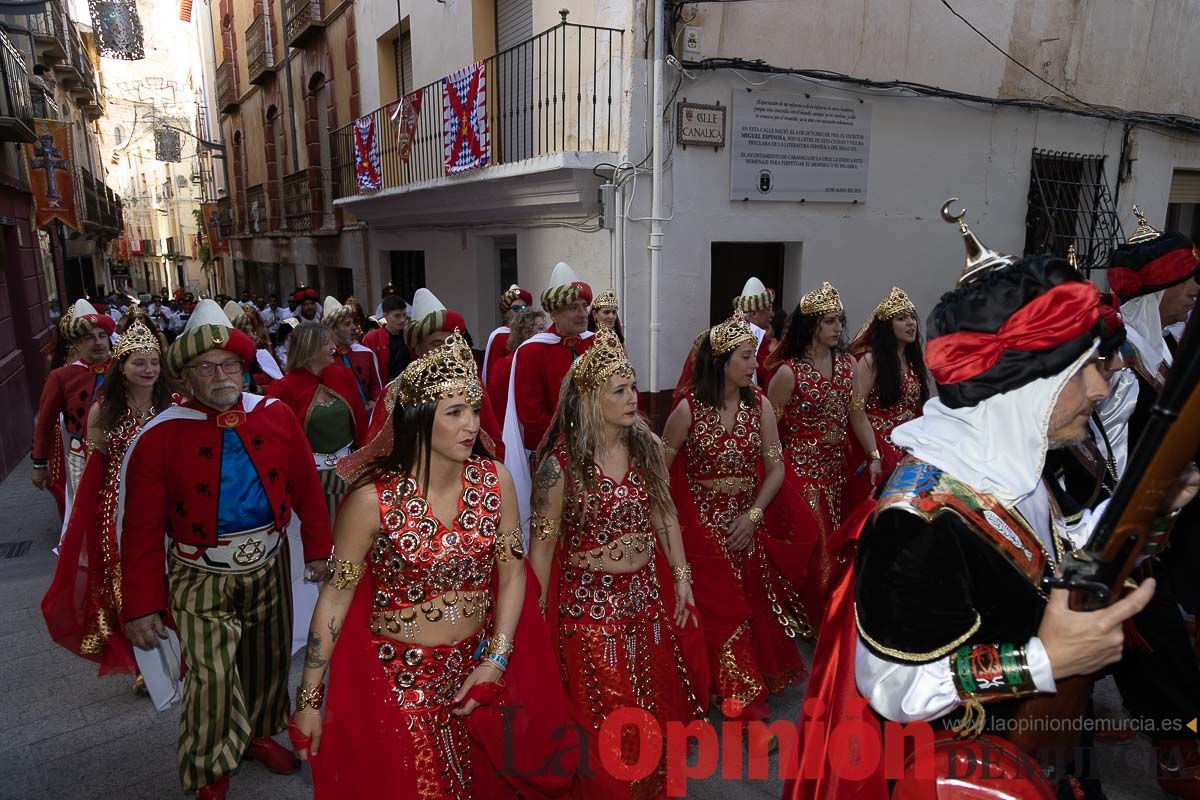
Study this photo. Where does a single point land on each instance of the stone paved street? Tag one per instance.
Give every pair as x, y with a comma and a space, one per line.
65, 733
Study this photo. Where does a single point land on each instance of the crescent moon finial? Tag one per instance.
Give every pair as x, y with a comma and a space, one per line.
952, 218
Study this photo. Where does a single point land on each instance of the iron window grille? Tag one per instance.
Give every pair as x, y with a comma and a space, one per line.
1070, 204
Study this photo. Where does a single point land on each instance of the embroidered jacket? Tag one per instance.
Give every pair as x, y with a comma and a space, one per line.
171, 478
540, 370
70, 391
361, 361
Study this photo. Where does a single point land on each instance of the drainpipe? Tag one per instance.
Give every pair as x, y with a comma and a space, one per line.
618, 246
656, 223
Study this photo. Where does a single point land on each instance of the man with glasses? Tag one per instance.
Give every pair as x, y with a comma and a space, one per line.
220, 475
512, 302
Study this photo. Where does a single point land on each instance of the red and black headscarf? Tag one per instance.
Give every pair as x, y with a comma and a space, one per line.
1010, 327
1147, 267
305, 293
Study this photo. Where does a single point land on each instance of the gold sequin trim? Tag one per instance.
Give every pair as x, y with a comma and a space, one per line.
944, 650
774, 453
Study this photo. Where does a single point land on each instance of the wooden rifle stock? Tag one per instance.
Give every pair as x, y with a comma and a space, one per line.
1096, 573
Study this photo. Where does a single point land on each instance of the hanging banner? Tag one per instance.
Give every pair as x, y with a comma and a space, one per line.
119, 29
464, 120
212, 230
121, 248
51, 175
167, 145
405, 115
366, 155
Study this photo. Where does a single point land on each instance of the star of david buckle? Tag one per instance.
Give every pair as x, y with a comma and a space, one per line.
231, 419
249, 552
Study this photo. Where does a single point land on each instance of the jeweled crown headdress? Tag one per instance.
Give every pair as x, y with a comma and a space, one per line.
137, 338
824, 300
444, 371
605, 358
730, 334
606, 299
894, 305
980, 259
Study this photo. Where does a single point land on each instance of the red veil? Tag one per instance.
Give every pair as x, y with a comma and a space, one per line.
71, 604
365, 749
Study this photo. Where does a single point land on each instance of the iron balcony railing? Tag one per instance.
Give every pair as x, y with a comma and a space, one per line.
558, 92
297, 202
304, 20
255, 218
225, 217
50, 28
16, 106
258, 50
227, 90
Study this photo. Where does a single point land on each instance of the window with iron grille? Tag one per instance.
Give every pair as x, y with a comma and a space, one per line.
1070, 204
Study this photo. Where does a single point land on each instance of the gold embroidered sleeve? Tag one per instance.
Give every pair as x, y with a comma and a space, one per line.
345, 574
510, 545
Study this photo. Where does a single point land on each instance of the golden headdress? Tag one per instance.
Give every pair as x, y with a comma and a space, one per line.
894, 305
444, 371
606, 299
980, 259
137, 338
824, 300
64, 322
730, 334
605, 358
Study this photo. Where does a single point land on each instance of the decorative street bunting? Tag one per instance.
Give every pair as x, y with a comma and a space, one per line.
167, 145
118, 28
366, 155
405, 115
51, 176
464, 120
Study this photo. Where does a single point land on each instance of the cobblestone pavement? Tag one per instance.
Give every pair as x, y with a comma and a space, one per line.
65, 733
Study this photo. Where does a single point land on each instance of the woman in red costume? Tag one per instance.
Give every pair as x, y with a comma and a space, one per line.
325, 398
811, 393
730, 469
600, 496
417, 621
890, 387
82, 607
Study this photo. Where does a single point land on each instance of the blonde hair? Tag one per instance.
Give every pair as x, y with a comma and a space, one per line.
304, 343
578, 426
523, 326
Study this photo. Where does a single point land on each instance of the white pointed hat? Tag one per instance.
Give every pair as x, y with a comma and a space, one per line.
565, 288
754, 297
82, 308
207, 312
333, 312
234, 311
430, 315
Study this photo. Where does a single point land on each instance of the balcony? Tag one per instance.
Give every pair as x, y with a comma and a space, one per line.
225, 225
258, 51
16, 107
297, 202
255, 220
44, 105
304, 21
49, 30
227, 89
551, 97
100, 206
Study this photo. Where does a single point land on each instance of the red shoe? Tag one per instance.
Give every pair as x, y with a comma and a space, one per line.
215, 790
273, 756
1179, 768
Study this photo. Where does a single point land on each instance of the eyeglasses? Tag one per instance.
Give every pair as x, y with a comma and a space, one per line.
519, 309
206, 369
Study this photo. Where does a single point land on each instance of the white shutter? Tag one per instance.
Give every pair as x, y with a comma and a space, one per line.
1185, 186
514, 23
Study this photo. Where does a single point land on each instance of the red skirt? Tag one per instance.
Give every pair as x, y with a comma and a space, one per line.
618, 649
826, 564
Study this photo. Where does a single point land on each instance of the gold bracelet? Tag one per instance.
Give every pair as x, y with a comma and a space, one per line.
500, 645
510, 546
669, 452
755, 514
683, 572
774, 453
344, 574
857, 402
780, 411
873, 456
310, 697
546, 528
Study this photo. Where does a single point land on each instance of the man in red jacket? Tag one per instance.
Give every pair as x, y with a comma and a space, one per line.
512, 302
359, 359
219, 475
68, 394
539, 366
387, 341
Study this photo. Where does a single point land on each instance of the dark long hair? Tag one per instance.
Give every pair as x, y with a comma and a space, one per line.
800, 331
708, 376
116, 397
594, 326
888, 375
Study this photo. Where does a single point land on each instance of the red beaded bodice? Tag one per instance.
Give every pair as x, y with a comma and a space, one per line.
884, 420
609, 513
714, 452
816, 418
416, 558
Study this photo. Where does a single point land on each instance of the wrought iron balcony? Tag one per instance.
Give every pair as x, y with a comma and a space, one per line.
258, 51
49, 30
16, 107
304, 20
254, 221
225, 224
297, 202
227, 89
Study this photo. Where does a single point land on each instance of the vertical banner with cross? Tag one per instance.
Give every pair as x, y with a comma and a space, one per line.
366, 155
405, 115
464, 120
212, 231
51, 174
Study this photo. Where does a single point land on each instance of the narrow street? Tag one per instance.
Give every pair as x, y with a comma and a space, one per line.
69, 734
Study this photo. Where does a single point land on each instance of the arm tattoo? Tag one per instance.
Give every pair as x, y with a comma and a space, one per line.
334, 630
548, 475
312, 653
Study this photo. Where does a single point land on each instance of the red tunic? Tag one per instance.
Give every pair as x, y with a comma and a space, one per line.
70, 391
764, 375
497, 385
171, 482
497, 349
540, 372
298, 387
377, 342
366, 370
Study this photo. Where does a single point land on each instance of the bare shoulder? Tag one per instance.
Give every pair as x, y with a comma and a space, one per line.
506, 481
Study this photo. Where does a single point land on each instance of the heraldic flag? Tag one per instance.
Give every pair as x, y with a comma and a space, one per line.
366, 155
464, 120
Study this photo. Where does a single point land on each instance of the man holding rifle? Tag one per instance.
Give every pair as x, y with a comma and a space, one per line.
947, 618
